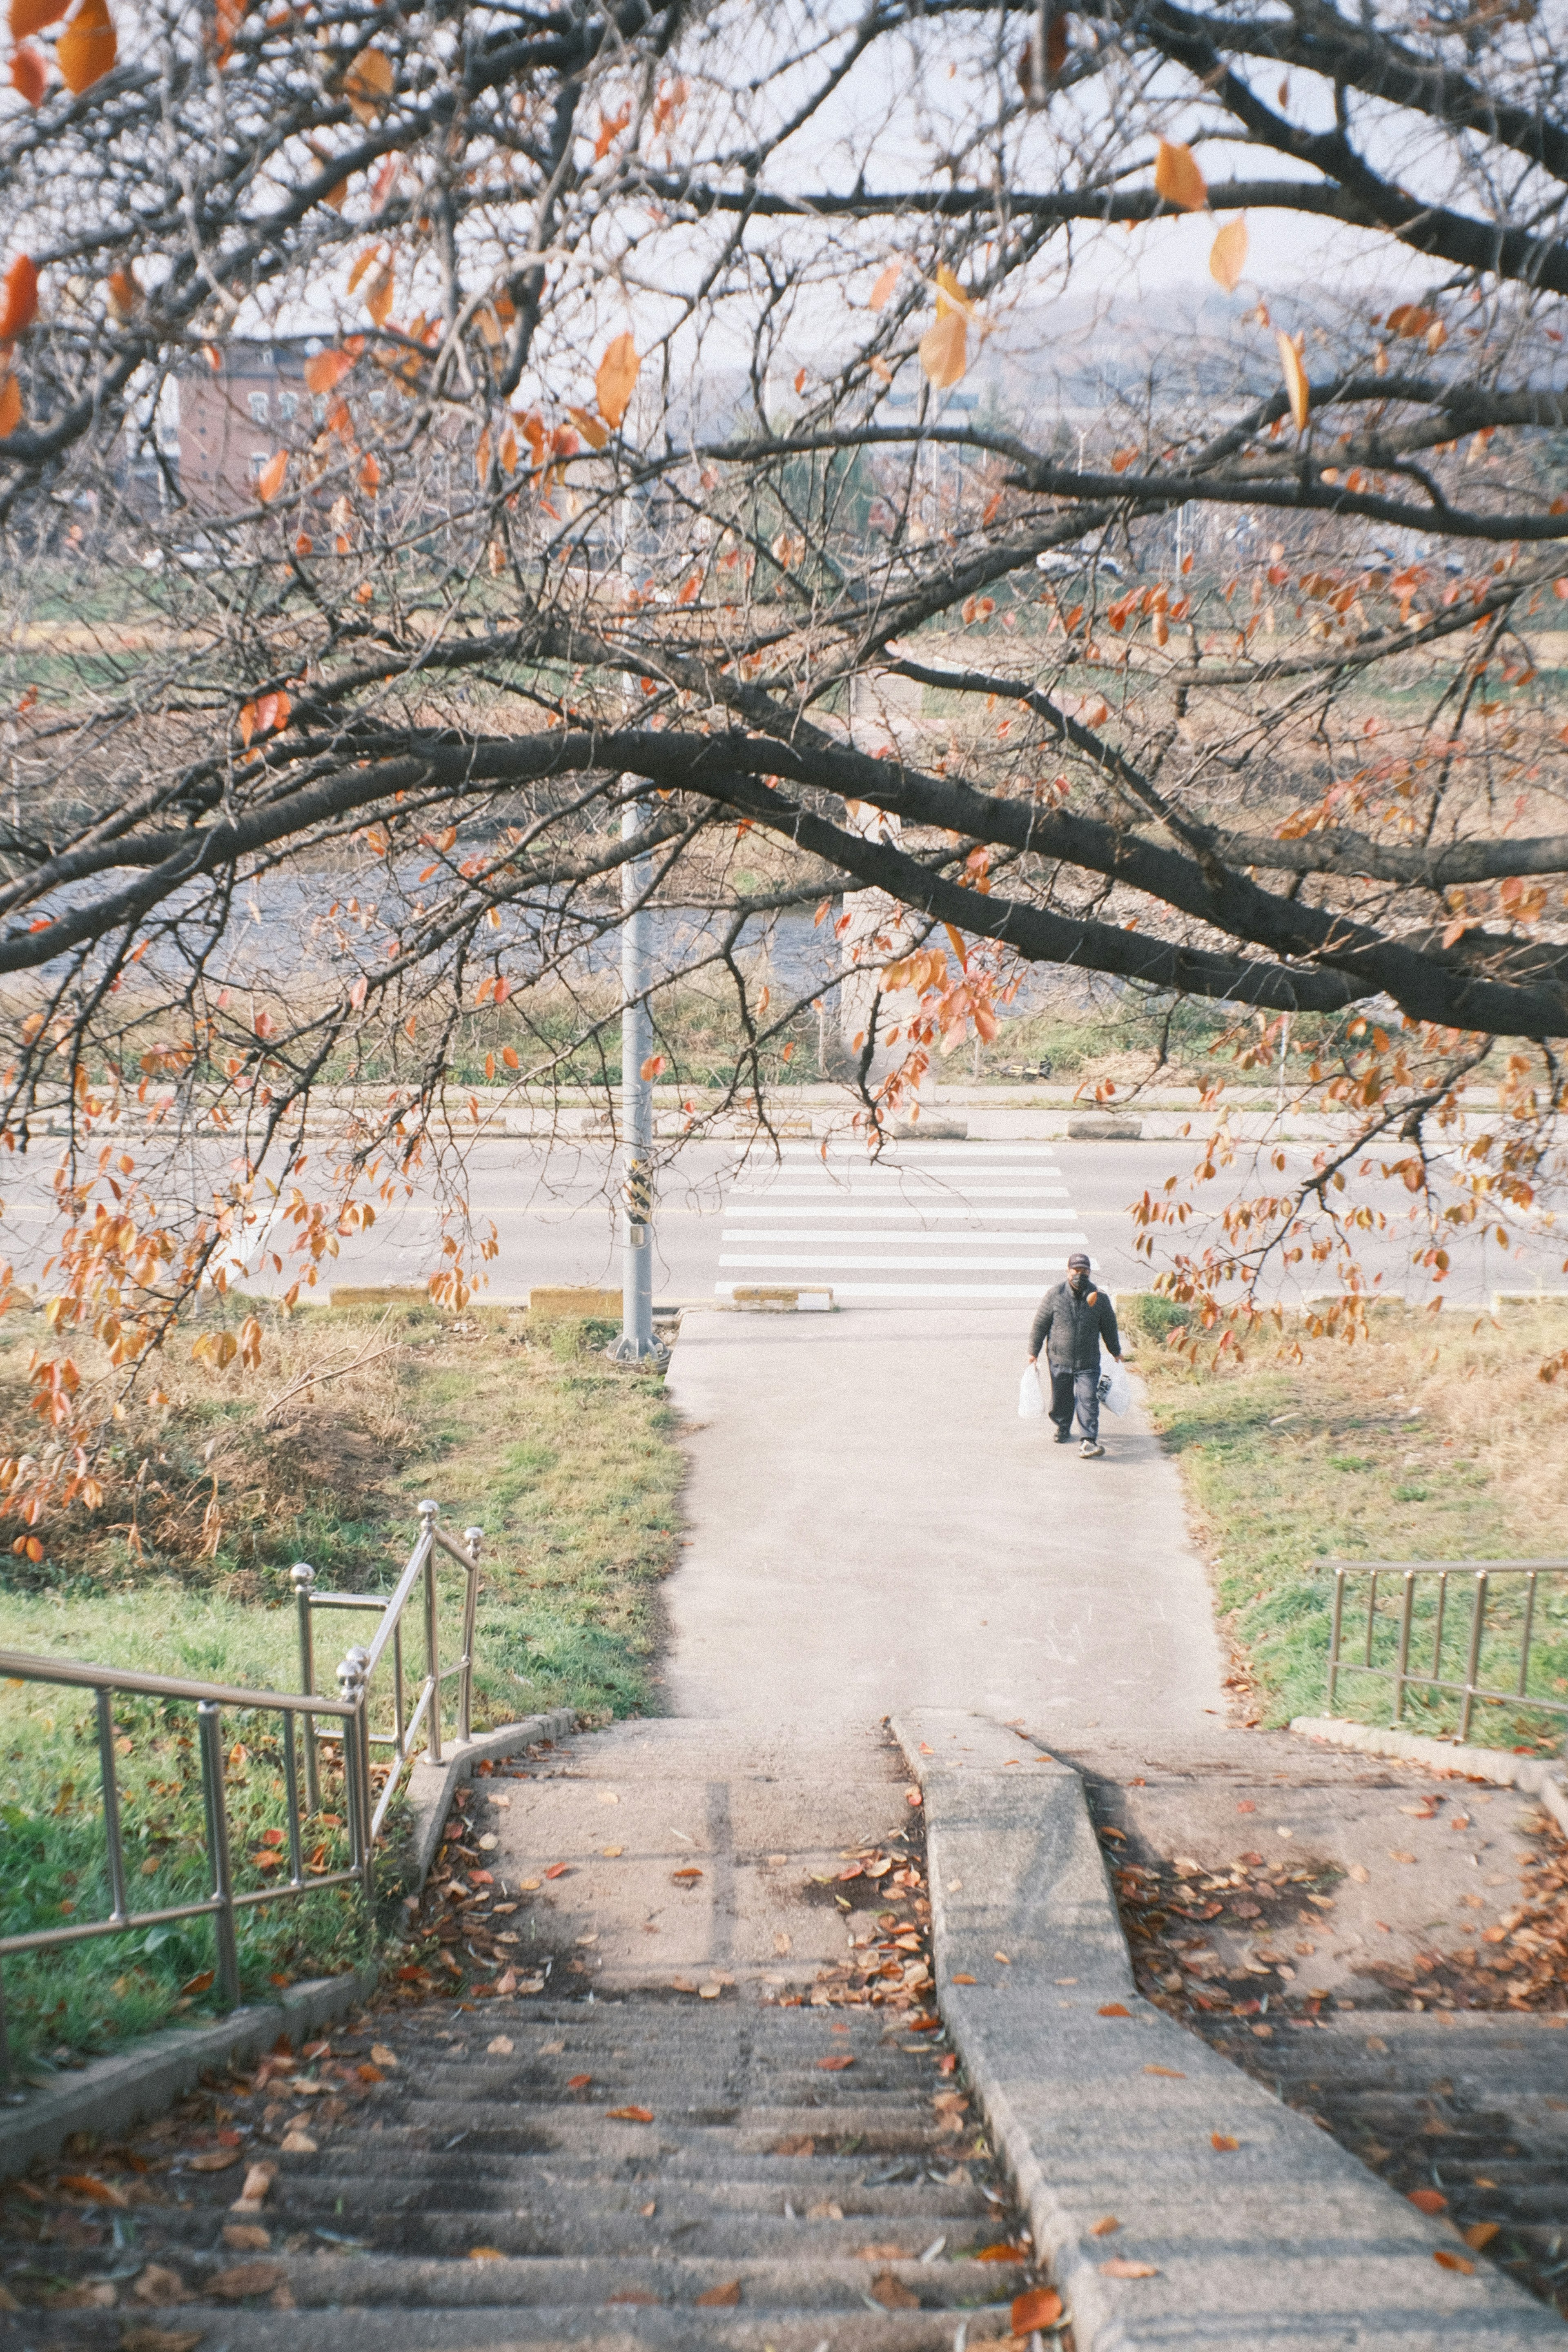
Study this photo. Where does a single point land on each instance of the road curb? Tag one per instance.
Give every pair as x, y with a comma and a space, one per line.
110, 2096
1528, 1773
1280, 2238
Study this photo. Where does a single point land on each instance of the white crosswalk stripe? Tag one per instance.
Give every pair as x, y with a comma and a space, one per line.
945, 1221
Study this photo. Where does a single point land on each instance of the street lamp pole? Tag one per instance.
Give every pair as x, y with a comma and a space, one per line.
636, 1339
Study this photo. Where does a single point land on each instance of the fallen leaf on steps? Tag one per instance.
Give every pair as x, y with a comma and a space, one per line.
1039, 2307
158, 2285
1120, 2267
721, 2297
243, 2279
893, 2295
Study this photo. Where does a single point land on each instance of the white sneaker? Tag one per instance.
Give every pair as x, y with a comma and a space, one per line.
1089, 1451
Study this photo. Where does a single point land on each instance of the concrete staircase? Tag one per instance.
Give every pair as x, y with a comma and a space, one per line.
481, 2197
779, 2154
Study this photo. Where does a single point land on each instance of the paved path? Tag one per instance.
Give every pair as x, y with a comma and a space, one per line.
874, 1528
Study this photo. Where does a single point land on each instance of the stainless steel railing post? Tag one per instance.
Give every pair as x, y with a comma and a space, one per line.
1405, 1615
1473, 1662
472, 1539
352, 1691
209, 1726
428, 1511
119, 1906
303, 1577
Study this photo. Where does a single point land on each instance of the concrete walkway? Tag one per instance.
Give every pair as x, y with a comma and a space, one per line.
873, 1528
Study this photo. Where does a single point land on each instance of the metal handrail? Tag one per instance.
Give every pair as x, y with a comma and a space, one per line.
1404, 1677
309, 1718
390, 1607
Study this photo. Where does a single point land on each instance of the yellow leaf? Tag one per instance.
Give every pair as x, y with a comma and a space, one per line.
270, 480
1177, 177
616, 380
944, 348
949, 294
10, 407
367, 85
1227, 256
1295, 377
882, 291
589, 427
86, 48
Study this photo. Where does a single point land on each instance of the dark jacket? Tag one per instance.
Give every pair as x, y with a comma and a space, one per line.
1071, 1328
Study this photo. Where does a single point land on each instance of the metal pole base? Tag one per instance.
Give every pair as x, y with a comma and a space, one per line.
625, 1350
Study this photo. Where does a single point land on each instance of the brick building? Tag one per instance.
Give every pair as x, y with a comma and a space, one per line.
235, 417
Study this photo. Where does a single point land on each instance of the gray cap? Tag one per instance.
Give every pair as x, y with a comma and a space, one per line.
1079, 1257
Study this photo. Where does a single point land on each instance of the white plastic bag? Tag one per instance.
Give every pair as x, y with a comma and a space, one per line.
1031, 1403
1115, 1389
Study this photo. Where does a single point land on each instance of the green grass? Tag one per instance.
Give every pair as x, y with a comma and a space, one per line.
1415, 1444
567, 1465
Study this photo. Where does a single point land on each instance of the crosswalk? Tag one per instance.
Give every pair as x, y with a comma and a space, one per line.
925, 1221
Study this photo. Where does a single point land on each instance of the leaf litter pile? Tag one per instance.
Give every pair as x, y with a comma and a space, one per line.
1500, 2182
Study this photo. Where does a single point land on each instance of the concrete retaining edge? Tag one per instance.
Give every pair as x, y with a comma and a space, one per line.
110, 2095
431, 1786
1536, 1778
1285, 2241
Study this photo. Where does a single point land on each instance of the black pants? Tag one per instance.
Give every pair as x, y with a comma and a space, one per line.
1081, 1388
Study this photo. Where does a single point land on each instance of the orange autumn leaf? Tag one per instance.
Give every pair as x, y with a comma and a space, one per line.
482, 457
690, 590
723, 2298
881, 293
1446, 2261
1120, 2267
944, 348
370, 472
1480, 2235
616, 380
88, 47
508, 1054
10, 407
630, 2114
18, 298
31, 15
1040, 2306
88, 2185
378, 294
324, 370
270, 480
124, 295
367, 85
29, 75
589, 427
1428, 2201
1177, 177
1223, 2143
1295, 375
1113, 2009
1228, 254
654, 1066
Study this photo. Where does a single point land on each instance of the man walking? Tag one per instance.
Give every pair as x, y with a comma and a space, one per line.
1071, 1322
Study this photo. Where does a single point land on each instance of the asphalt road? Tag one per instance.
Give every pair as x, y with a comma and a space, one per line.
969, 1223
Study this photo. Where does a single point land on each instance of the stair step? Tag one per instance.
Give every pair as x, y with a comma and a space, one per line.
333, 2279
539, 2329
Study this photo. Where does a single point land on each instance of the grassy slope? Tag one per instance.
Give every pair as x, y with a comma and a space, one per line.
569, 1467
1432, 1440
